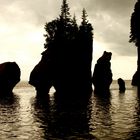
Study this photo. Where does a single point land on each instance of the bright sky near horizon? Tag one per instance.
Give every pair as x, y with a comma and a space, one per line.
22, 28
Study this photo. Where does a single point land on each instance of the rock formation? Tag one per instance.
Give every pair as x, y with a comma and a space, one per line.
9, 76
66, 62
67, 74
136, 79
102, 75
121, 84
41, 76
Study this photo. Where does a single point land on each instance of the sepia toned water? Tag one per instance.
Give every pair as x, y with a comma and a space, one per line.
114, 117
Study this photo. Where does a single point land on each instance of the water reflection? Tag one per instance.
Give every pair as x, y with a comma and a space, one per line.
122, 113
64, 119
115, 116
42, 116
101, 120
9, 116
135, 133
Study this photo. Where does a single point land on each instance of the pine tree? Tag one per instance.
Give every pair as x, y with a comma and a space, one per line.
74, 28
86, 42
85, 27
65, 14
51, 29
84, 17
58, 29
74, 22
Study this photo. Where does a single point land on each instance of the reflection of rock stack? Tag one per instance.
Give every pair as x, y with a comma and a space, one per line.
69, 118
102, 76
9, 76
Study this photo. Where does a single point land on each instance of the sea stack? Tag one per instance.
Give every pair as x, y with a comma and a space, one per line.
121, 84
102, 75
66, 62
9, 76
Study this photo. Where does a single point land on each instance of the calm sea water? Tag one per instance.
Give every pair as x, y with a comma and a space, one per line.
114, 117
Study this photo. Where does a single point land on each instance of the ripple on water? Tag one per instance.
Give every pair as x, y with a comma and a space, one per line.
23, 117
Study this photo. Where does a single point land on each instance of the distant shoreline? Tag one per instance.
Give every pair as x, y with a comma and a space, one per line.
114, 85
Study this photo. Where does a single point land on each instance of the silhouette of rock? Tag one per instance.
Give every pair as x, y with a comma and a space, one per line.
136, 79
135, 38
9, 76
66, 62
121, 83
67, 75
41, 75
102, 75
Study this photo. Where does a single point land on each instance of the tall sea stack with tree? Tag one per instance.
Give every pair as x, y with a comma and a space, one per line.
135, 38
66, 61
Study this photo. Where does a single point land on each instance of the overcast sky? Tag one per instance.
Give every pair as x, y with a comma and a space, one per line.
22, 28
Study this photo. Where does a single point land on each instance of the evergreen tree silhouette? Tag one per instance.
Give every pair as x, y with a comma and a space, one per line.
86, 39
65, 14
74, 28
84, 17
51, 29
135, 38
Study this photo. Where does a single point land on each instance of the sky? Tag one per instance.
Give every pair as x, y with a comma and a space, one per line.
22, 28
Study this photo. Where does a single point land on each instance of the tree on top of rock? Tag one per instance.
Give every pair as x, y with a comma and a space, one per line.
68, 54
65, 14
51, 29
135, 25
65, 19
86, 37
85, 26
64, 29
84, 17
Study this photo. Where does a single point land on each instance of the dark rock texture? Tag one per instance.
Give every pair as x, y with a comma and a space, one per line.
102, 75
67, 74
41, 76
121, 84
136, 79
9, 76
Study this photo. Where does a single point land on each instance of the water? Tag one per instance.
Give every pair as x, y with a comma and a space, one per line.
114, 117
